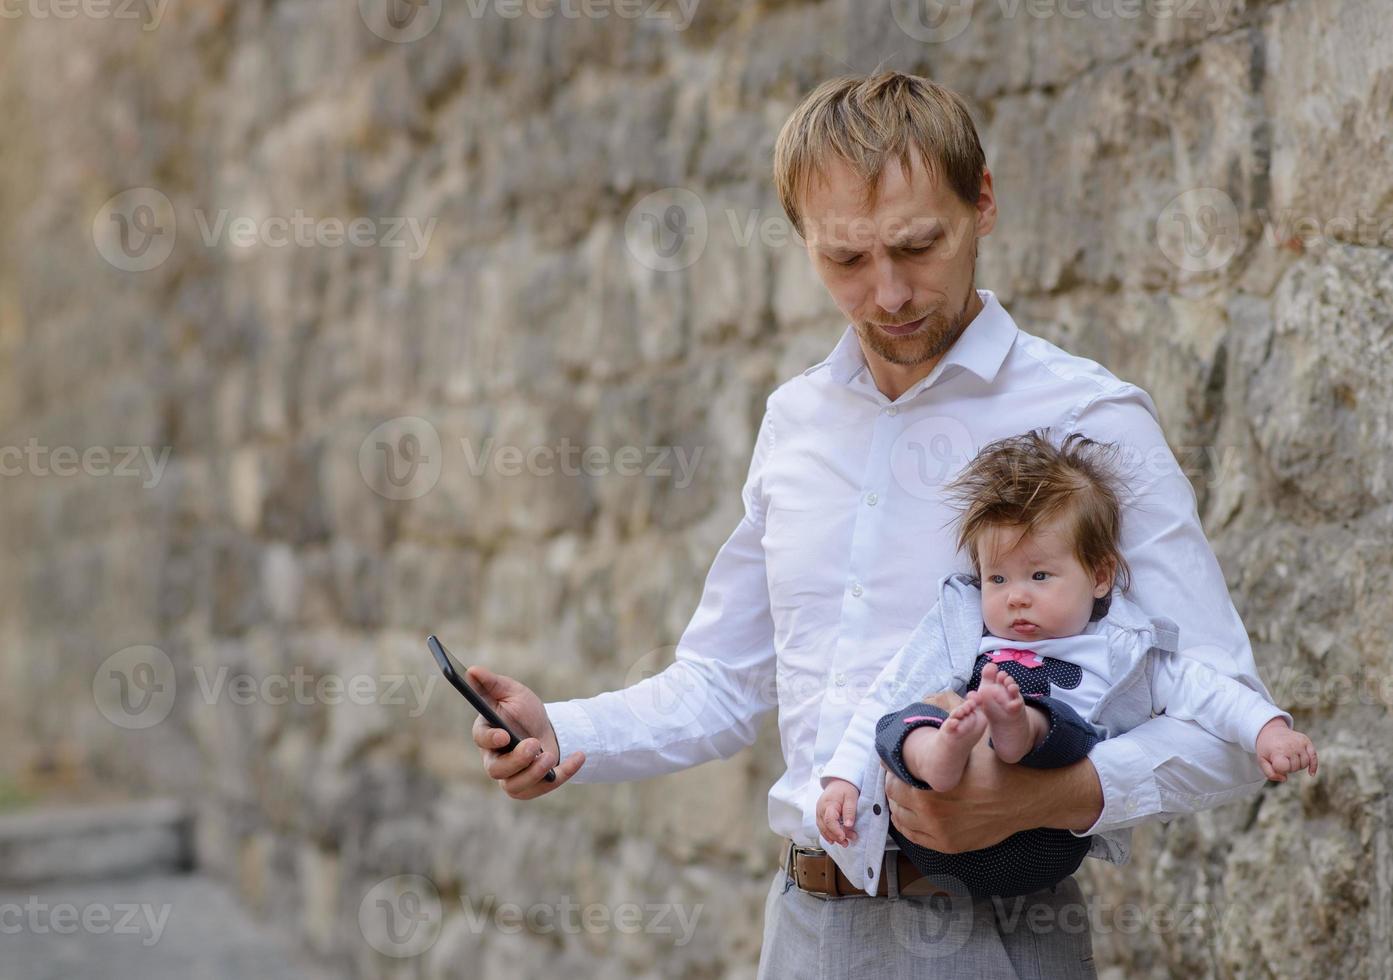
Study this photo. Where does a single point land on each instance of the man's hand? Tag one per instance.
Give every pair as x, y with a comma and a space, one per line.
521, 771
993, 800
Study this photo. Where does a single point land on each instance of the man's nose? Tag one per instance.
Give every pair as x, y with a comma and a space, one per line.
892, 289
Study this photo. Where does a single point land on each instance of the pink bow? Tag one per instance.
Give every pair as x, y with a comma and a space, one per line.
1026, 658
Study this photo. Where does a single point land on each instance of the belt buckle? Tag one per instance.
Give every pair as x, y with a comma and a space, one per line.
832, 894
794, 849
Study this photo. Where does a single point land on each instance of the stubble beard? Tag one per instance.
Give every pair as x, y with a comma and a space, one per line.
938, 333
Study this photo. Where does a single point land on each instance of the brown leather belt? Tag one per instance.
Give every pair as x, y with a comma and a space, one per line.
813, 870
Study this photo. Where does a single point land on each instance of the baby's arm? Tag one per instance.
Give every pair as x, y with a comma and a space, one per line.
921, 667
1190, 689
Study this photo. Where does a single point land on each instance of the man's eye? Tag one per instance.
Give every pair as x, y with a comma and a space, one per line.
849, 262
921, 249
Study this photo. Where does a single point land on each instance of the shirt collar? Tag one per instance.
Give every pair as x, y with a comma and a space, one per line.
981, 348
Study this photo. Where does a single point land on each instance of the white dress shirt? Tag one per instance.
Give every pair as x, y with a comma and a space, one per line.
843, 540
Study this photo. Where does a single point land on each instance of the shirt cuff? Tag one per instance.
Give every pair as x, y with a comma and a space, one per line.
575, 731
1255, 722
842, 765
1130, 794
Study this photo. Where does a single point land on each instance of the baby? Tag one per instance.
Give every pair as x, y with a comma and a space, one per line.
1040, 524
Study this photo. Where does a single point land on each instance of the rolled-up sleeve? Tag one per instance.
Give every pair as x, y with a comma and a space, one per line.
707, 704
1168, 765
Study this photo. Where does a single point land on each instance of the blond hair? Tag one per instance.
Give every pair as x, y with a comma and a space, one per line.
866, 120
1026, 481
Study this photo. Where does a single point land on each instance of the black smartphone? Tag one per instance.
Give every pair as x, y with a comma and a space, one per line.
454, 673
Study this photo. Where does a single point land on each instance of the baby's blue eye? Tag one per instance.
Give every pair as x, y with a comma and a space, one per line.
1038, 574
995, 579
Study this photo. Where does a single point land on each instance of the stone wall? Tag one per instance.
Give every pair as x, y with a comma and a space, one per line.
494, 291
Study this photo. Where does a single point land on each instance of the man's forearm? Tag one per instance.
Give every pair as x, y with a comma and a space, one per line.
1071, 797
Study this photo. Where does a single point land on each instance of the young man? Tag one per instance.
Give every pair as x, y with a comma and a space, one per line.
846, 534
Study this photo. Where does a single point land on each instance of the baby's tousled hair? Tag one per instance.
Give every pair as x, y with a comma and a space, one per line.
1025, 481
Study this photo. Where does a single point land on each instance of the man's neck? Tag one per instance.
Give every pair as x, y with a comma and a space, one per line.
894, 380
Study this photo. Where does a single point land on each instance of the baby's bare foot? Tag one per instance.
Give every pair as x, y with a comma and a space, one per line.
939, 757
1015, 728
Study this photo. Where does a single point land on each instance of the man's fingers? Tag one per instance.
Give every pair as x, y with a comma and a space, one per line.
540, 787
532, 772
508, 764
486, 736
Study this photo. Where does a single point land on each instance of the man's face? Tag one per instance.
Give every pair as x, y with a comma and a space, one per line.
907, 262
1033, 586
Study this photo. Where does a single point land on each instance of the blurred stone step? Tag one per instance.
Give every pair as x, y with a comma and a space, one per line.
103, 840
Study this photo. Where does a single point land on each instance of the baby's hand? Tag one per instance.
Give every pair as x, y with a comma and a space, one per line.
837, 803
1281, 750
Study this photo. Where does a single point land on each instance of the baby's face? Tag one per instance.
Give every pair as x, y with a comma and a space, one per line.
1035, 589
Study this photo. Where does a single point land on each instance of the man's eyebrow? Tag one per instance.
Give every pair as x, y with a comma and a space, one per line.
929, 230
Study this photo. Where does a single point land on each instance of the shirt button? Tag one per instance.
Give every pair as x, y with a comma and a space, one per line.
871, 499
856, 589
870, 872
876, 809
841, 680
892, 410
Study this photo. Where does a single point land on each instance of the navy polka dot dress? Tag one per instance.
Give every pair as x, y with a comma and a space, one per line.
1026, 861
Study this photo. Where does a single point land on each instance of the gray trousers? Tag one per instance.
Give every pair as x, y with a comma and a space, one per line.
1042, 935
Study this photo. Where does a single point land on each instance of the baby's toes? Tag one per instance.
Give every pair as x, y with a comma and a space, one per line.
1013, 690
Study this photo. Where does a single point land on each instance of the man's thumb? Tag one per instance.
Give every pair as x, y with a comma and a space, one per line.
494, 685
